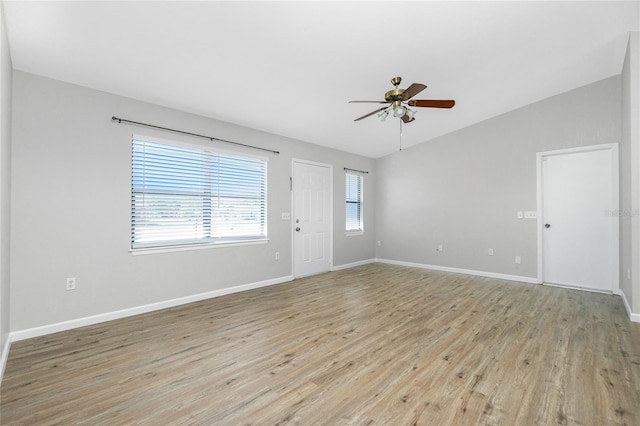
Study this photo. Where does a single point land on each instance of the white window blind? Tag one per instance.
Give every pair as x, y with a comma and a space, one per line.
354, 202
183, 196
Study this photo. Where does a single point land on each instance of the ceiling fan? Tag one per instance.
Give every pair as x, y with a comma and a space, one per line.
399, 100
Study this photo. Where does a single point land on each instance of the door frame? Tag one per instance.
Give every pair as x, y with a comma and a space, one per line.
615, 182
295, 161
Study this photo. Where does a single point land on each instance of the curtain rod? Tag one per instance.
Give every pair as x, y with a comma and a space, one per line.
211, 138
356, 170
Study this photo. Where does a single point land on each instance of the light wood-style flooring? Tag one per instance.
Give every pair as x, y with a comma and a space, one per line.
376, 344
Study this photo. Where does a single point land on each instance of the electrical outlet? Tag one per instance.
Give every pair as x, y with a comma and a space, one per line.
439, 247
277, 255
518, 260
490, 252
71, 283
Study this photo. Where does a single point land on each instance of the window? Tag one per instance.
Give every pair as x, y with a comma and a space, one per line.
354, 202
183, 196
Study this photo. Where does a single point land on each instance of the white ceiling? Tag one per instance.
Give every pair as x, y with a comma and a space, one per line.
290, 68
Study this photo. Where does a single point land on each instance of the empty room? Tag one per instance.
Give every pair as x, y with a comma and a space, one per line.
320, 213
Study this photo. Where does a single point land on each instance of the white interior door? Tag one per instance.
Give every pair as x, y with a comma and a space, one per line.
580, 233
311, 218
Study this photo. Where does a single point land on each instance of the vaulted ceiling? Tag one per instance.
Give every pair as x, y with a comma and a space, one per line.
290, 68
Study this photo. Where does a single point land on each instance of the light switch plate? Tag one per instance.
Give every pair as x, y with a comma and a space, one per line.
530, 215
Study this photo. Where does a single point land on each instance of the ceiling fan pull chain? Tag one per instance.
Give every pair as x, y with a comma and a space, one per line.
400, 134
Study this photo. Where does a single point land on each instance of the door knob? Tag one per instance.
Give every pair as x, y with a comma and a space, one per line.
297, 229
547, 225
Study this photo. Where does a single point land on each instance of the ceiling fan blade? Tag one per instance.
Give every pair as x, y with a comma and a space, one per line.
430, 103
407, 119
371, 113
369, 102
413, 90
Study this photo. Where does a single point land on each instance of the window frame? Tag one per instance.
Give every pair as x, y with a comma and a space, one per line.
194, 243
359, 201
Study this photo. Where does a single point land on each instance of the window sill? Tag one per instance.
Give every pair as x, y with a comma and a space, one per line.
189, 247
354, 233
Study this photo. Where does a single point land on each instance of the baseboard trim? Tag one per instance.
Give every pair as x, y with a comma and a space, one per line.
632, 317
109, 316
4, 356
530, 280
352, 265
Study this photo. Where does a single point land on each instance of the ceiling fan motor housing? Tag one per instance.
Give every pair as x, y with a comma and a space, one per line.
394, 95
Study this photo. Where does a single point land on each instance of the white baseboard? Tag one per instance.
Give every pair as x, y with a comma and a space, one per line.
352, 265
4, 356
95, 319
633, 317
518, 278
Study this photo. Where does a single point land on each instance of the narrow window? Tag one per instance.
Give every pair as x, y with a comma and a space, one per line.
354, 202
184, 196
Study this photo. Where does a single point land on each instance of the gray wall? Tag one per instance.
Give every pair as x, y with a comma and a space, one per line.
6, 73
630, 175
71, 204
463, 190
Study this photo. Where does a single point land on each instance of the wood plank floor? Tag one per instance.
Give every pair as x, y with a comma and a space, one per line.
376, 344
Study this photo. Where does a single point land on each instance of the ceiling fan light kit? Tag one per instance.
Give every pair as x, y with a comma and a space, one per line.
398, 109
